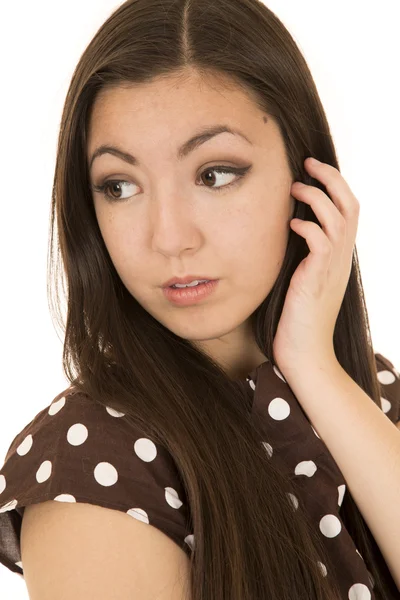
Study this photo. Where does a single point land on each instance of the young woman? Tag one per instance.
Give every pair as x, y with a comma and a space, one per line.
233, 439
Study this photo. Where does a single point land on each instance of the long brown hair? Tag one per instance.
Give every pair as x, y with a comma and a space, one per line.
118, 354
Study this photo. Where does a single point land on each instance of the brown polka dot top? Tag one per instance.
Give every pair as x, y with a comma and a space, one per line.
76, 450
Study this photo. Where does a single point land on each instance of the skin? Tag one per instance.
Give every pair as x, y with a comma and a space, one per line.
174, 223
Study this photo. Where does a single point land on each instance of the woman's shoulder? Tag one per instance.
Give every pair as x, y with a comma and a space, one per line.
78, 450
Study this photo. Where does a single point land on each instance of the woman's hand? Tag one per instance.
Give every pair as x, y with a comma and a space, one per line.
317, 288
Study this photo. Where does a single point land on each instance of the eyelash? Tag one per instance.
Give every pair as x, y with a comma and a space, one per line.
239, 171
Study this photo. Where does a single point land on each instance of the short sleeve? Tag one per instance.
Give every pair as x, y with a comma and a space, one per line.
77, 450
389, 379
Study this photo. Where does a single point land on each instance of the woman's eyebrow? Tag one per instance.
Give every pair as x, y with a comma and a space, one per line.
189, 146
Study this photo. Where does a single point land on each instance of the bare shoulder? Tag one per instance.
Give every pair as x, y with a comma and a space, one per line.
80, 551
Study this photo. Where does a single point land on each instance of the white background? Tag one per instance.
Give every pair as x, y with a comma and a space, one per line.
353, 50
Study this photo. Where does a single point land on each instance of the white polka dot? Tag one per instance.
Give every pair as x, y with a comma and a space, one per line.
77, 434
341, 492
113, 412
306, 467
172, 497
25, 446
189, 539
279, 409
330, 526
139, 514
9, 506
252, 384
278, 373
323, 568
2, 483
105, 474
44, 471
386, 405
56, 406
65, 498
359, 591
268, 448
145, 449
386, 377
293, 500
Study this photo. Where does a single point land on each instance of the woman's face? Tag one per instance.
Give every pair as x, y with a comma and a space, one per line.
172, 221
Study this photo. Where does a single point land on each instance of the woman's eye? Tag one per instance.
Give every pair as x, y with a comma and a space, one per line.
238, 172
112, 185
